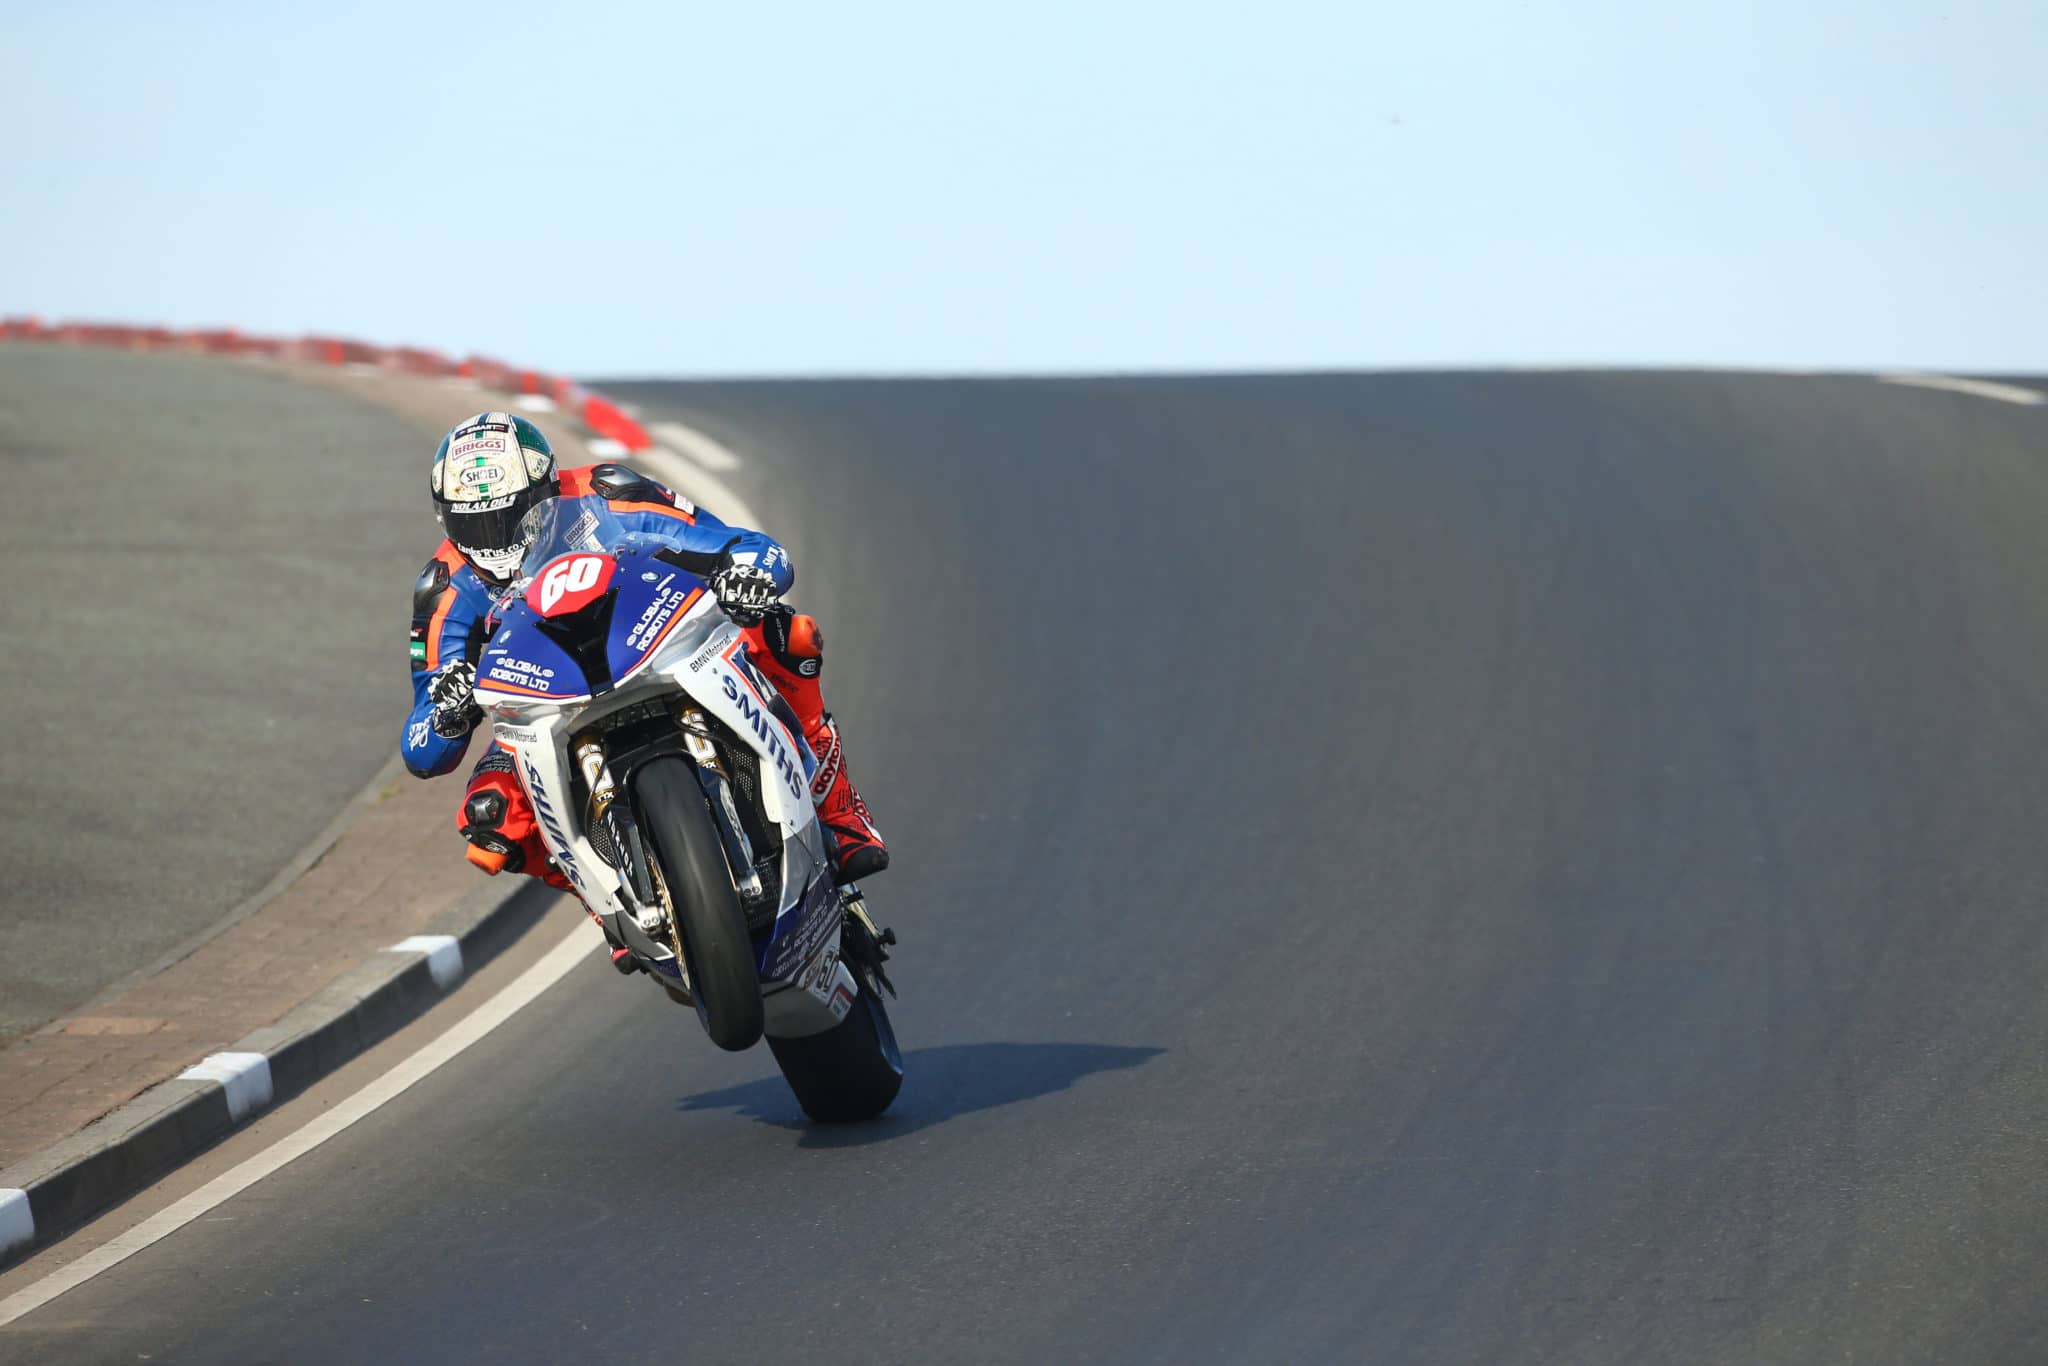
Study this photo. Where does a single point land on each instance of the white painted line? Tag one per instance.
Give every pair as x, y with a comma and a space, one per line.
694, 445
245, 1077
17, 1220
604, 448
1977, 388
699, 487
558, 963
444, 956
535, 403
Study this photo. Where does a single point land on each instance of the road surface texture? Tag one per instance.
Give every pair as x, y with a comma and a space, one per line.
1427, 868
208, 572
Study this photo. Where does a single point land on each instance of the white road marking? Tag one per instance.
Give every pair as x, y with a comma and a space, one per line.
696, 447
605, 448
559, 962
701, 488
444, 956
1977, 388
690, 478
17, 1220
535, 403
244, 1076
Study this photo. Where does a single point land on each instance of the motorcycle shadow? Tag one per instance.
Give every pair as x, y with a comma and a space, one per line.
938, 1083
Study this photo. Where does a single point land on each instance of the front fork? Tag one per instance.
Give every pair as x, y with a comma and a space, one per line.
725, 812
621, 831
629, 847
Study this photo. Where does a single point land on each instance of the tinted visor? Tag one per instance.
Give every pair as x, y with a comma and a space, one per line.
492, 524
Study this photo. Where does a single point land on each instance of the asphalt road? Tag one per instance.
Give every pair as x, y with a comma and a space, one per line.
1412, 868
208, 572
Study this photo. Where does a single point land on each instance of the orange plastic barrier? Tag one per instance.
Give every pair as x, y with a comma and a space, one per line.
606, 418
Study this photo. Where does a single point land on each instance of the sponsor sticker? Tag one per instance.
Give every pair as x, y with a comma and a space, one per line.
822, 975
481, 474
583, 531
558, 839
520, 673
770, 732
646, 630
517, 735
570, 584
521, 666
821, 918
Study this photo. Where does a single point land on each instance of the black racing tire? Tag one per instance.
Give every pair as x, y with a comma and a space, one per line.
716, 948
849, 1073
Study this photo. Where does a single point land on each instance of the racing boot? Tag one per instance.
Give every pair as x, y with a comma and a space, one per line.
497, 820
790, 649
858, 850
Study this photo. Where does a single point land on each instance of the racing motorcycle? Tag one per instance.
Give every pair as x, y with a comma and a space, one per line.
672, 788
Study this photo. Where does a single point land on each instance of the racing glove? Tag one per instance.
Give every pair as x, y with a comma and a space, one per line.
453, 693
745, 591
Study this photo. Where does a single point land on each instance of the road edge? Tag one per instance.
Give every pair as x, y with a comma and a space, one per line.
54, 1192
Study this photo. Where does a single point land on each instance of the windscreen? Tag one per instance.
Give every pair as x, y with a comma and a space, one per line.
562, 525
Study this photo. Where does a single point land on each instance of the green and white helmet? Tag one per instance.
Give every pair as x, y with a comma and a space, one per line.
487, 473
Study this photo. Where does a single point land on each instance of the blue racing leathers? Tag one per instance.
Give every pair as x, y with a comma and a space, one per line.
451, 601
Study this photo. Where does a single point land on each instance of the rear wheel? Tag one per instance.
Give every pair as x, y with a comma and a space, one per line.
850, 1072
698, 887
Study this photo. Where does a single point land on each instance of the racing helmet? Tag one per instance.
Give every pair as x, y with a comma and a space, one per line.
488, 473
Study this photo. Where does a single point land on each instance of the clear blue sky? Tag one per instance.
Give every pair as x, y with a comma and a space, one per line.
862, 188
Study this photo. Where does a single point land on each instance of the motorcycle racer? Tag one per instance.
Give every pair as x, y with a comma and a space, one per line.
488, 472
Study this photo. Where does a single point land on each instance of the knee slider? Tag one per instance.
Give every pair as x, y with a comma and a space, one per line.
483, 811
482, 814
493, 852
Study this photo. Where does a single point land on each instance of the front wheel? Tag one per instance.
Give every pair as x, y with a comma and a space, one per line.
702, 901
850, 1072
